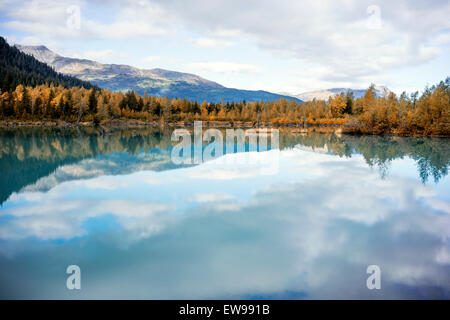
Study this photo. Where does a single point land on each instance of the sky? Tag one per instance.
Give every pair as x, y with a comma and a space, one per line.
280, 46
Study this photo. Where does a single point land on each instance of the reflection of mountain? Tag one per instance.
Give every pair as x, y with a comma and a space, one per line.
38, 159
16, 173
116, 163
50, 156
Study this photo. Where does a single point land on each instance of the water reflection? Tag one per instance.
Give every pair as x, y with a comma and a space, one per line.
140, 227
27, 155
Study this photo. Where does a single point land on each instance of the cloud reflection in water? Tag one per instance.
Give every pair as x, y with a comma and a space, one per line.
227, 231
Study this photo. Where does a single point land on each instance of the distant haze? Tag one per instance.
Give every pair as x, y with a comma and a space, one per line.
325, 94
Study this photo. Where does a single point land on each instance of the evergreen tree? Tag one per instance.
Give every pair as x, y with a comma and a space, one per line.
92, 102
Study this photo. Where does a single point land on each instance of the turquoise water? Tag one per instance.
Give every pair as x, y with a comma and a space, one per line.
301, 222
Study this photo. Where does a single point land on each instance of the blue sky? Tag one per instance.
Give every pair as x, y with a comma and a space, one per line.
280, 46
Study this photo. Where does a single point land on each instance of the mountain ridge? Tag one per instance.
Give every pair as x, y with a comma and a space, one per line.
157, 81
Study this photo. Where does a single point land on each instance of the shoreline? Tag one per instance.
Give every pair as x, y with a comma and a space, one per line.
140, 123
122, 124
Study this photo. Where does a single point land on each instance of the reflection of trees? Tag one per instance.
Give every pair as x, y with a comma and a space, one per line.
27, 154
432, 155
430, 162
316, 141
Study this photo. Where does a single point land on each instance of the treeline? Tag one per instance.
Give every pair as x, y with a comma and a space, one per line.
428, 114
76, 105
17, 68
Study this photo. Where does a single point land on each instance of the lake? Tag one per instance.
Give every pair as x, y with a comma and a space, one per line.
304, 221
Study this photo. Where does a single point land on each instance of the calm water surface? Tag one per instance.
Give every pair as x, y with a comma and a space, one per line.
140, 226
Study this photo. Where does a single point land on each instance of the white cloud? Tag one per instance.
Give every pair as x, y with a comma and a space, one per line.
210, 197
53, 220
227, 33
223, 67
441, 40
331, 34
211, 43
336, 36
151, 59
48, 19
122, 29
104, 56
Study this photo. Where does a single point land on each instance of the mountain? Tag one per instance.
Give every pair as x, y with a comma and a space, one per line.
17, 68
157, 82
325, 94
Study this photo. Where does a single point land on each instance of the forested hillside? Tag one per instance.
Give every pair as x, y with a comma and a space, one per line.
17, 68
